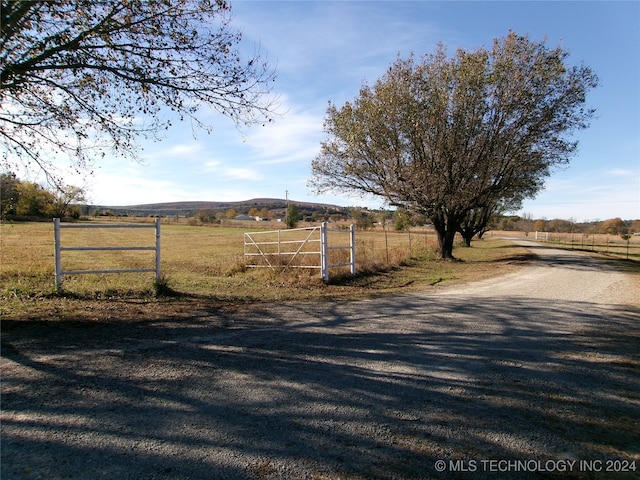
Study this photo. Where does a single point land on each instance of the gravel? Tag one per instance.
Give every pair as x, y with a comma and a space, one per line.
540, 366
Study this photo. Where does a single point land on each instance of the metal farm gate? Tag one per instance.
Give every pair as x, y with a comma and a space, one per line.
308, 247
59, 248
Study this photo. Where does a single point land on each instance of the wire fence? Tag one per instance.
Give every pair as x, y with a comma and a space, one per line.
627, 246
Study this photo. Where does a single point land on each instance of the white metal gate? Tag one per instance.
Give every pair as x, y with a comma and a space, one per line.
59, 249
308, 247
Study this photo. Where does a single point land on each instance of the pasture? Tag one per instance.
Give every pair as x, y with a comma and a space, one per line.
207, 263
607, 244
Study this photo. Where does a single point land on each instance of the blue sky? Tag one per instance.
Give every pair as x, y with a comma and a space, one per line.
323, 51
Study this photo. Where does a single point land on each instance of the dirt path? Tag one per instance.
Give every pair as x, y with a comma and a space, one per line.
541, 367
560, 275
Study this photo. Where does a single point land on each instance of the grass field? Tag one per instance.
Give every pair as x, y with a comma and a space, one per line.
207, 264
598, 243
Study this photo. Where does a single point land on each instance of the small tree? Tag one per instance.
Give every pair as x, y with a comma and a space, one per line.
526, 223
64, 197
402, 219
265, 213
613, 226
8, 194
292, 217
206, 216
363, 220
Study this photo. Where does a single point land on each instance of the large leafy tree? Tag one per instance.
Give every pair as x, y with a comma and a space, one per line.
447, 135
79, 77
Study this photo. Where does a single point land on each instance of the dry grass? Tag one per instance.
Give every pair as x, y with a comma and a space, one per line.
607, 244
206, 265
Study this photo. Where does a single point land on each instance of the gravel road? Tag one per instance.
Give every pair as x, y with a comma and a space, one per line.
526, 376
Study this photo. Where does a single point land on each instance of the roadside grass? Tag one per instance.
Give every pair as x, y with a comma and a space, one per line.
601, 243
204, 267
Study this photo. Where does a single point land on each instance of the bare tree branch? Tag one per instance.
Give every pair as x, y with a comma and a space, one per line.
67, 64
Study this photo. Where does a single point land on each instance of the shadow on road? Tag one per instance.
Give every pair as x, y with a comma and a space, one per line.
370, 389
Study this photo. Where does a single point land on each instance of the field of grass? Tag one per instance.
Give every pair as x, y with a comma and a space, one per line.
206, 264
595, 242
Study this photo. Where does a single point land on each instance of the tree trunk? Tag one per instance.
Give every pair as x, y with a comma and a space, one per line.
446, 235
467, 239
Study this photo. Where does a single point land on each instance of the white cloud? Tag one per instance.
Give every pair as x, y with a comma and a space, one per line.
221, 171
183, 150
294, 138
622, 172
131, 190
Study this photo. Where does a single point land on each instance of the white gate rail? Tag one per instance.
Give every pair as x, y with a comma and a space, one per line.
326, 265
59, 249
273, 252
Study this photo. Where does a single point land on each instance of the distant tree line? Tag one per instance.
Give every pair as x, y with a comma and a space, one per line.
20, 199
402, 219
612, 226
291, 214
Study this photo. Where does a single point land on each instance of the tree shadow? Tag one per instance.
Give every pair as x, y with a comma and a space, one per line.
378, 388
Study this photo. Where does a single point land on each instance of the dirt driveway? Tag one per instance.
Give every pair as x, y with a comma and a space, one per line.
530, 375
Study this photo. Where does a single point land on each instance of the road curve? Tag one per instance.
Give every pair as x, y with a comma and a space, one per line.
558, 274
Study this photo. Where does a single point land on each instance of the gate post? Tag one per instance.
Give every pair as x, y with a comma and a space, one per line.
58, 260
352, 247
157, 249
324, 252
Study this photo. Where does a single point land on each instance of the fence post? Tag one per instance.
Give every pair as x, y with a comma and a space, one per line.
157, 249
324, 252
58, 260
352, 245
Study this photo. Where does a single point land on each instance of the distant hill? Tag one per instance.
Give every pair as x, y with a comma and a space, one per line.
190, 208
